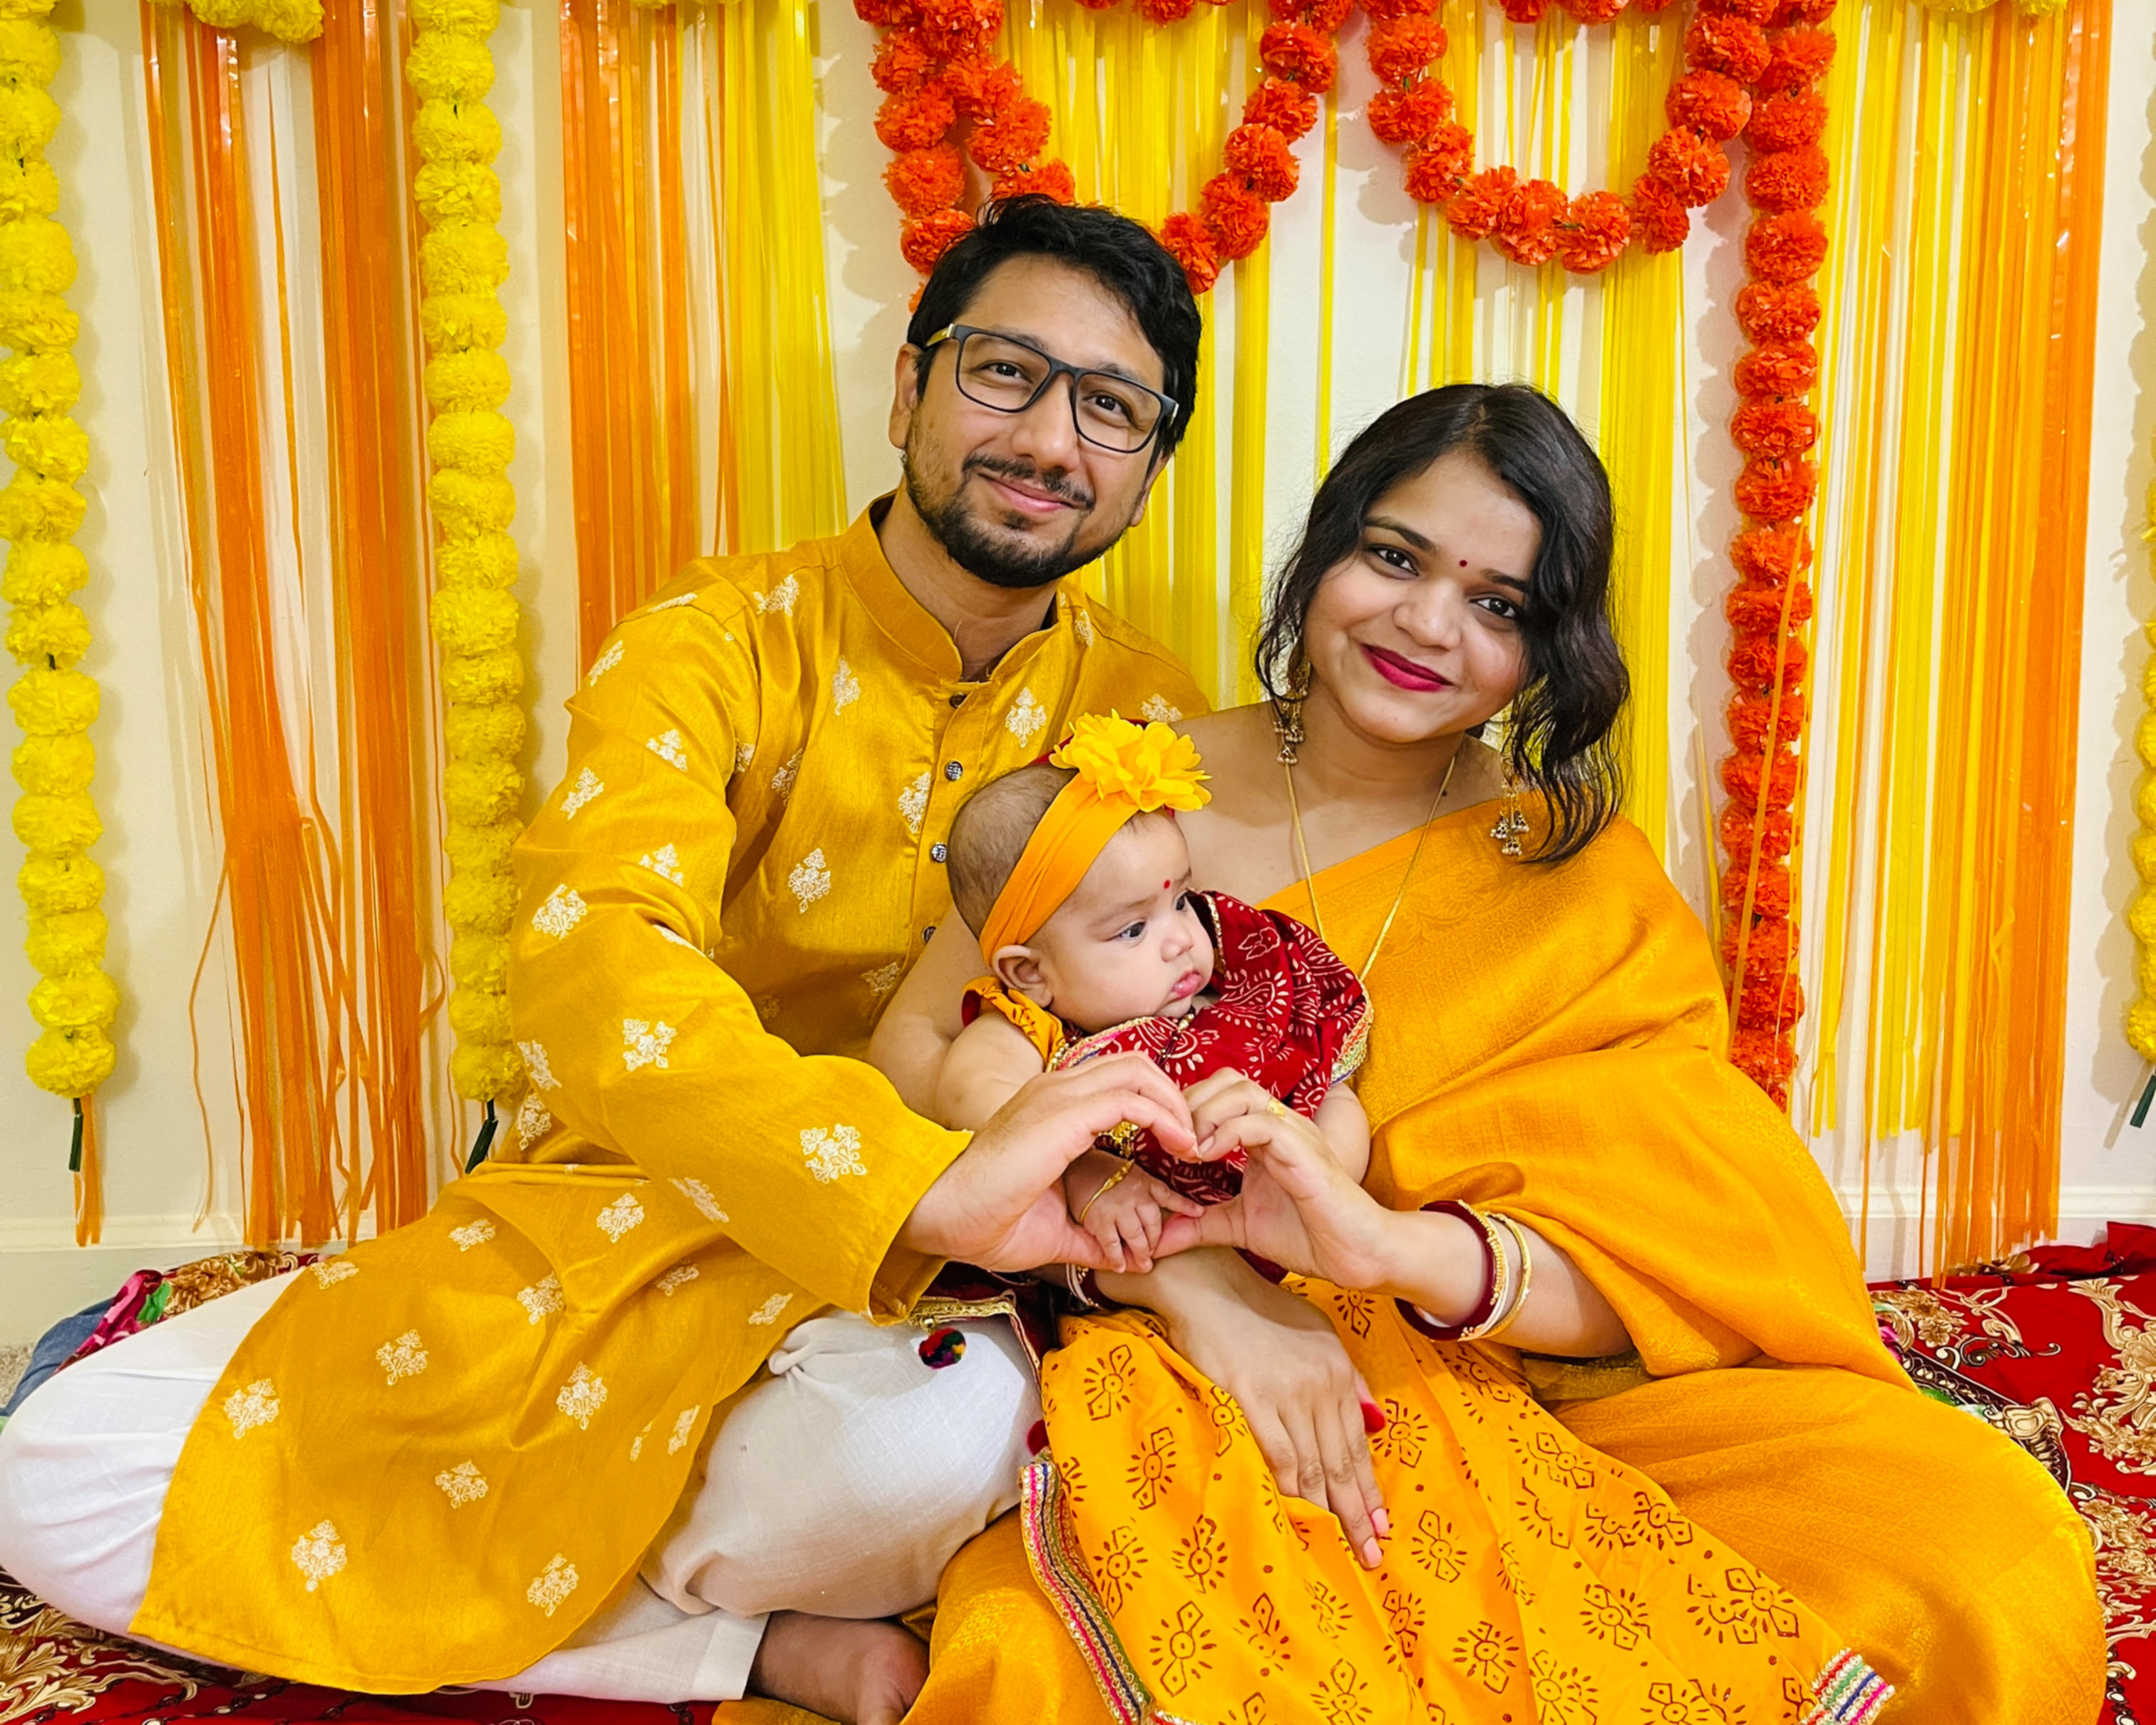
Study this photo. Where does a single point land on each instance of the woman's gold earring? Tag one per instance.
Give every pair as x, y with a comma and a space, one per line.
1512, 823
1287, 712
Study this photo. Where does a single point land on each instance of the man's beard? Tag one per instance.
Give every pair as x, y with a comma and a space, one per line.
971, 545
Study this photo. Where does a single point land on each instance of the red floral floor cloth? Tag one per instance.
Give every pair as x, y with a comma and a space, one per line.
2056, 1349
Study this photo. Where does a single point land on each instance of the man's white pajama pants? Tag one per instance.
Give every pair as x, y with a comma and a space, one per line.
841, 1486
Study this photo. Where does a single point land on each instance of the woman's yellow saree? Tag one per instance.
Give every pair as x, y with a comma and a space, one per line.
1547, 1042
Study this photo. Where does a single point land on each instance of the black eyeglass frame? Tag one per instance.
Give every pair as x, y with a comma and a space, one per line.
957, 332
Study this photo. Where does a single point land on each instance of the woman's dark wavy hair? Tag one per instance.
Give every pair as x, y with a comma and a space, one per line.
1576, 684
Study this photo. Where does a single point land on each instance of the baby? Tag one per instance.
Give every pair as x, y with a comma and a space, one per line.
1076, 878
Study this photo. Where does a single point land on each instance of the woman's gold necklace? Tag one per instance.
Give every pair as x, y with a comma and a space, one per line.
1310, 885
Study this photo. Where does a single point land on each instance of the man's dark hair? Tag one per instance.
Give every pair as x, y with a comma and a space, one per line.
1117, 252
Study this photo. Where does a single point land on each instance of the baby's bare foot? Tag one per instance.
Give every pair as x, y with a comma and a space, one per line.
858, 1671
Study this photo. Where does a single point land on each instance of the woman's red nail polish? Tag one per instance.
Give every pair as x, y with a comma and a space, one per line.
1374, 1418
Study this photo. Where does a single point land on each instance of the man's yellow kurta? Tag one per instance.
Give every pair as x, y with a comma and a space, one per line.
440, 1453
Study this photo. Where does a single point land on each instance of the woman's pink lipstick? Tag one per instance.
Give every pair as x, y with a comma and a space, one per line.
1404, 672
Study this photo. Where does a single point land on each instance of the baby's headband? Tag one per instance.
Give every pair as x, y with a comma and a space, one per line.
1123, 769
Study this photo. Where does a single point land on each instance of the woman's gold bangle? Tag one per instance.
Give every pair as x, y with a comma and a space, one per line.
1116, 1178
1519, 1234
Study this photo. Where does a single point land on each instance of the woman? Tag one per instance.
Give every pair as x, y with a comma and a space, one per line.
1546, 1044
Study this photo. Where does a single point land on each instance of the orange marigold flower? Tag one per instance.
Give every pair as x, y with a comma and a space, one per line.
1236, 215
1401, 49
1778, 428
1771, 491
1787, 248
1595, 232
1051, 179
1777, 311
1594, 11
1436, 167
1298, 53
1766, 1059
1772, 555
980, 87
924, 240
1325, 17
1743, 775
1769, 945
1261, 157
1770, 1006
1409, 117
1756, 12
1757, 609
1753, 657
1780, 368
884, 14
1191, 243
1792, 121
1651, 6
953, 27
1732, 46
1165, 12
923, 180
1709, 103
1691, 165
1663, 222
1400, 8
1776, 831
915, 119
1525, 11
1479, 202
1526, 229
1012, 137
1753, 717
902, 61
1805, 11
1288, 108
1769, 890
1800, 58
1788, 180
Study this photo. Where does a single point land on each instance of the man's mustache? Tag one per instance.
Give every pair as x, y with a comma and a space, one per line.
1026, 474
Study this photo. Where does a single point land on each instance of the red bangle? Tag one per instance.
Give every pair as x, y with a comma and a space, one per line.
1486, 1303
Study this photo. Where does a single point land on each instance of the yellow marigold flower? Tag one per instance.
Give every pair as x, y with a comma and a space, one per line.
482, 442
51, 445
2141, 915
469, 381
2141, 1028
61, 946
462, 256
484, 560
2144, 855
450, 67
482, 677
479, 1017
39, 384
54, 824
467, 131
453, 189
481, 904
452, 322
495, 729
462, 18
290, 20
30, 51
25, 8
482, 791
35, 256
34, 508
36, 321
40, 573
59, 633
2145, 968
480, 961
1150, 766
46, 701
52, 885
70, 1002
60, 766
481, 848
473, 619
71, 1062
224, 14
28, 187
29, 118
490, 1070
463, 502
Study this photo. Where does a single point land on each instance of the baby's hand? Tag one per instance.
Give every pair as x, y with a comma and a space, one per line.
1126, 1218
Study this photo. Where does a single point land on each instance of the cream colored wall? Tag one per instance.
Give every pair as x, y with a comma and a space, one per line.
160, 850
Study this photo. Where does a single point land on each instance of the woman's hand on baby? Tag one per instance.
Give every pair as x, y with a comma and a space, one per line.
1125, 1220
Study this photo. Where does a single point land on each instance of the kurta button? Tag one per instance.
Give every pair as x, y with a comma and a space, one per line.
936, 853
928, 933
953, 771
959, 699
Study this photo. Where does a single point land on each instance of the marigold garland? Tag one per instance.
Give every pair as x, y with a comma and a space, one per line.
1775, 428
462, 261
2141, 914
55, 703
287, 20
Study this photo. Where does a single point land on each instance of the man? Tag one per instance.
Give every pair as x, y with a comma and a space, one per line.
443, 1457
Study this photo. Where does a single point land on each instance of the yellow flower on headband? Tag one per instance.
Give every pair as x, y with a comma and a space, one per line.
1148, 766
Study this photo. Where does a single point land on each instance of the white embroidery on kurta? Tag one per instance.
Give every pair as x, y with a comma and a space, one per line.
832, 1151
810, 880
319, 1553
645, 1045
1026, 719
679, 1276
743, 754
533, 1123
534, 1063
462, 1484
667, 746
664, 862
768, 1312
330, 1271
587, 786
782, 780
553, 1585
698, 1193
780, 598
1083, 625
542, 1299
884, 978
473, 1234
766, 1007
636, 1443
563, 910
582, 1396
685, 1422
255, 1406
845, 688
679, 940
1158, 712
679, 599
604, 663
913, 803
404, 1358
618, 1218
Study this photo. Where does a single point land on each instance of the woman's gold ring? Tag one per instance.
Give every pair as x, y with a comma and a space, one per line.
1274, 1105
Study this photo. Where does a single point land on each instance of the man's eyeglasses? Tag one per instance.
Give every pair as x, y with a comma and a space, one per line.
1001, 371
